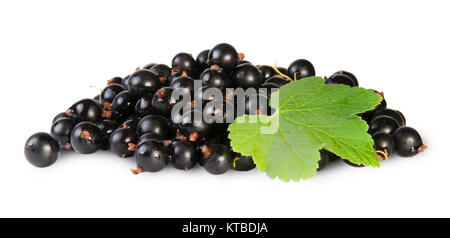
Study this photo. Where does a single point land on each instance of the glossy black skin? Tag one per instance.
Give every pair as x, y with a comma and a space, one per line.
369, 115
383, 142
120, 141
41, 150
384, 124
258, 104
270, 88
86, 110
97, 98
149, 136
183, 155
109, 93
206, 94
243, 163
201, 61
163, 72
266, 72
144, 106
175, 75
324, 159
125, 81
215, 77
243, 62
149, 66
61, 129
392, 113
143, 82
163, 102
151, 156
117, 80
184, 61
123, 104
301, 68
156, 125
130, 123
193, 122
246, 76
407, 141
184, 82
220, 161
219, 112
60, 116
352, 76
107, 127
282, 70
86, 145
278, 80
224, 55
341, 79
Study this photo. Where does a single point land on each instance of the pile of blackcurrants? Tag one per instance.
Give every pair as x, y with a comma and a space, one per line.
134, 115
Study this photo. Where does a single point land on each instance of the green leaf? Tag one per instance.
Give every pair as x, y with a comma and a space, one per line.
310, 116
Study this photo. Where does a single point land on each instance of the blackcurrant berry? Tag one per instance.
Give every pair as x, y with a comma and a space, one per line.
219, 114
60, 116
123, 142
163, 102
163, 72
150, 136
185, 83
216, 77
123, 104
151, 156
383, 144
217, 159
283, 70
109, 93
184, 62
182, 154
86, 110
41, 150
107, 127
266, 72
278, 80
125, 81
86, 138
301, 68
143, 82
246, 76
225, 56
144, 106
384, 124
392, 113
370, 114
243, 62
193, 125
60, 131
149, 66
352, 76
130, 123
243, 163
156, 125
201, 62
117, 80
408, 142
97, 99
258, 104
206, 94
340, 79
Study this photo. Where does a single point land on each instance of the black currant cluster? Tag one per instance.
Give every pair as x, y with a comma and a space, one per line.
134, 115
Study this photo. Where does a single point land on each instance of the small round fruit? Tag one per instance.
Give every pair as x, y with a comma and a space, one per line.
184, 62
201, 62
61, 130
86, 138
41, 150
225, 56
352, 76
60, 116
86, 110
184, 83
117, 80
123, 104
215, 77
163, 102
383, 142
243, 163
143, 82
278, 80
123, 142
163, 72
149, 65
385, 124
246, 76
408, 142
156, 125
151, 156
266, 72
107, 127
392, 113
217, 159
183, 155
301, 68
109, 93
340, 79
193, 125
144, 106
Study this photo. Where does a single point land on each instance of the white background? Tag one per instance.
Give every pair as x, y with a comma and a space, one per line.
52, 51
